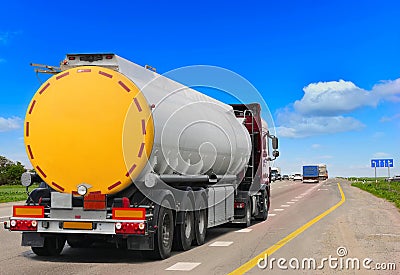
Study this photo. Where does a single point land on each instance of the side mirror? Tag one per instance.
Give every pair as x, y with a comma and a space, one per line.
274, 143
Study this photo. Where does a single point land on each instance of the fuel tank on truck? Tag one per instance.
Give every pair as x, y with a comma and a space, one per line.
106, 124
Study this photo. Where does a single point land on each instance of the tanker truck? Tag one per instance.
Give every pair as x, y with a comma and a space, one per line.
127, 156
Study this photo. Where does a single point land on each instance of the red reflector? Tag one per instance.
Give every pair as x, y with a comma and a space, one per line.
109, 57
94, 201
239, 205
28, 211
129, 213
71, 57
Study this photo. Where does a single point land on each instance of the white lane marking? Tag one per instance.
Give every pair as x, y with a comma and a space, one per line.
290, 202
298, 197
183, 266
295, 200
271, 215
386, 234
5, 217
244, 230
322, 189
285, 205
278, 209
221, 243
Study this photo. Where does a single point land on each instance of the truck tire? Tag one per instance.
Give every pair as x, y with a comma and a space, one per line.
184, 232
200, 227
247, 221
163, 237
264, 204
52, 247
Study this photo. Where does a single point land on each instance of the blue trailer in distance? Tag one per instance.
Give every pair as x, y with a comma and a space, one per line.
310, 173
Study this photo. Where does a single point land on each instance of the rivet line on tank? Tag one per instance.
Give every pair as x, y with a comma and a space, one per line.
30, 152
114, 185
57, 186
131, 170
137, 104
62, 75
31, 108
27, 129
141, 150
105, 74
143, 127
41, 171
122, 84
44, 88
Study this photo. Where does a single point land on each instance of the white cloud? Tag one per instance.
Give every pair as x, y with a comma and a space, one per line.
295, 125
381, 155
390, 118
316, 146
6, 36
9, 124
339, 97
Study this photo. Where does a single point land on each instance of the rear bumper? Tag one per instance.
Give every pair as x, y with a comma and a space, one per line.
48, 225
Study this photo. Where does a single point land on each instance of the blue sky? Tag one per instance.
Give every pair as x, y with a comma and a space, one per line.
328, 70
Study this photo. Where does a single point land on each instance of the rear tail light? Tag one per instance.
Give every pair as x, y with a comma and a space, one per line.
23, 225
130, 228
109, 56
239, 205
71, 57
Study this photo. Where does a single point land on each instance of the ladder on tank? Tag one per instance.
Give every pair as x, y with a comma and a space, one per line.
245, 114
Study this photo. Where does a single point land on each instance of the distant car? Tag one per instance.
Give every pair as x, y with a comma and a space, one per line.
291, 177
298, 177
285, 177
278, 177
395, 178
273, 177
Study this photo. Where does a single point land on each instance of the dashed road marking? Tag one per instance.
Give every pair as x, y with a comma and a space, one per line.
295, 200
322, 189
244, 230
271, 215
298, 197
285, 205
219, 243
290, 202
278, 209
183, 266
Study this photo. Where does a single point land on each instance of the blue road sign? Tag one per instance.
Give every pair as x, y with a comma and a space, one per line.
381, 163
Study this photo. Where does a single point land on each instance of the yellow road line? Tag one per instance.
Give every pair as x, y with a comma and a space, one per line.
253, 262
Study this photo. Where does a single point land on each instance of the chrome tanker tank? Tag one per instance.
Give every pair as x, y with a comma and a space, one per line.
114, 122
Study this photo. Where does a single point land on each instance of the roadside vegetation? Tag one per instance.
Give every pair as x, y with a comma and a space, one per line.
10, 193
382, 189
10, 181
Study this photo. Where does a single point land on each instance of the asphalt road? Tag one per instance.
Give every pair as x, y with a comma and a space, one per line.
364, 226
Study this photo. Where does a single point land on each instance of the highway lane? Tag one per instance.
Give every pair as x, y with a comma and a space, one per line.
229, 247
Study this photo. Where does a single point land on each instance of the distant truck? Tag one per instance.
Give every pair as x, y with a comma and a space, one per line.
323, 172
311, 173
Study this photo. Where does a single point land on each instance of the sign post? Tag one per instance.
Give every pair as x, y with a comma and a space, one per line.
381, 163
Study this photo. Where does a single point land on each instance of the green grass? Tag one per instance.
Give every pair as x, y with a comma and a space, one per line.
382, 189
9, 193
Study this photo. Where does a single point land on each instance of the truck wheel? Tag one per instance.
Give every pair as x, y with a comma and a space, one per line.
247, 222
264, 207
184, 232
52, 247
164, 234
200, 227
